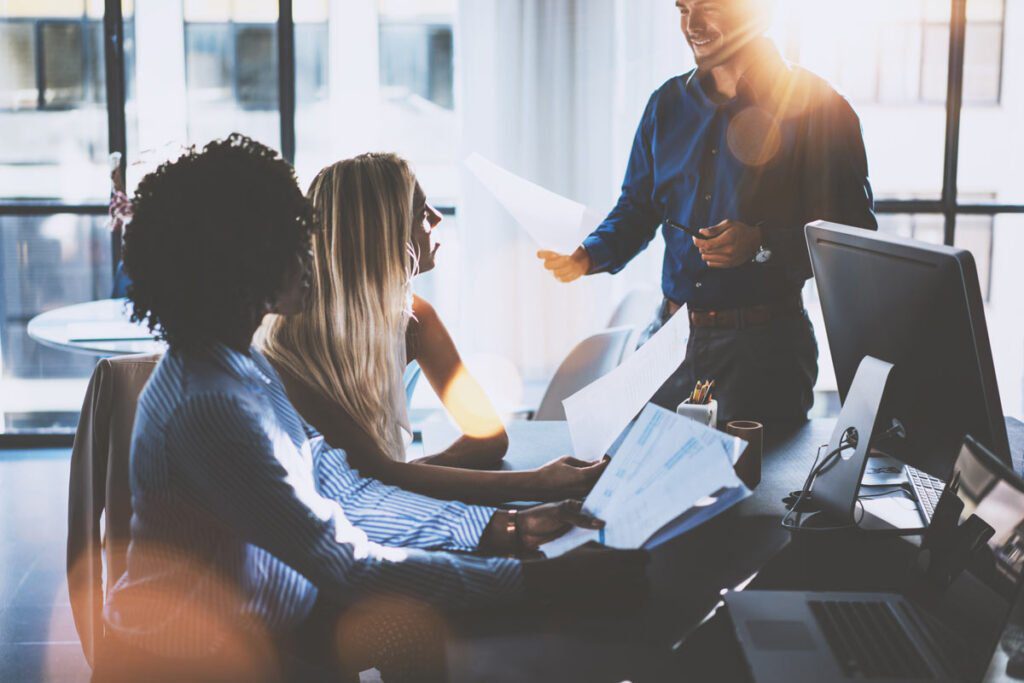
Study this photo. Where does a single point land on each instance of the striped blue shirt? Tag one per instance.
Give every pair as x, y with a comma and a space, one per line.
241, 512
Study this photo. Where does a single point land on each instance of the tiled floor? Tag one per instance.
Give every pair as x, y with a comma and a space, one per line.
38, 642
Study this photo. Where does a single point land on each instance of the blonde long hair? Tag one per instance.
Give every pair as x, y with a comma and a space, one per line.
349, 343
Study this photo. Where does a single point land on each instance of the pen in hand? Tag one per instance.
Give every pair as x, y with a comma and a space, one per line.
692, 232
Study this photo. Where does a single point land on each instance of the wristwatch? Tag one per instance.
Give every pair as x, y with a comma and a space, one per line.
763, 254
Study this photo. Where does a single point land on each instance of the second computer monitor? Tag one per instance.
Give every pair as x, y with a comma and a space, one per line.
919, 307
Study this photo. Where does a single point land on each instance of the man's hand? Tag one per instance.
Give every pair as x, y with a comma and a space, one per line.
730, 244
567, 477
535, 526
566, 268
591, 575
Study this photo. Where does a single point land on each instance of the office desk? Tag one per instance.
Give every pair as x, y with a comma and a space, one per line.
686, 577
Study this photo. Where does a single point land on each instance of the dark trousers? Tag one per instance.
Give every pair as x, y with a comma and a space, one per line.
762, 372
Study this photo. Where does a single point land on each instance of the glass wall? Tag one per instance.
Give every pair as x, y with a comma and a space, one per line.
891, 60
53, 115
390, 87
996, 243
46, 262
991, 144
383, 75
199, 70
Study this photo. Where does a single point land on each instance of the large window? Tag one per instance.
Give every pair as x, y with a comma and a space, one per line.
82, 78
892, 59
390, 86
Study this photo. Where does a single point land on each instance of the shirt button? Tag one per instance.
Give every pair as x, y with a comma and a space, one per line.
707, 197
699, 285
714, 150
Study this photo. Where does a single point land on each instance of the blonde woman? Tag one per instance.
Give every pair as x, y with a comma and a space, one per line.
343, 359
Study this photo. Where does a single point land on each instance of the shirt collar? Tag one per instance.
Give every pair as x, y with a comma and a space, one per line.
759, 83
240, 365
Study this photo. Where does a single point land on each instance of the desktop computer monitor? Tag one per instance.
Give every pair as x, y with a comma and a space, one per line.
919, 307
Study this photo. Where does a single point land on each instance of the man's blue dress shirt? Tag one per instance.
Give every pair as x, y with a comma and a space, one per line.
787, 150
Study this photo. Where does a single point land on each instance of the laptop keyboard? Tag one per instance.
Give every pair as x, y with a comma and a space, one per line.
868, 641
927, 490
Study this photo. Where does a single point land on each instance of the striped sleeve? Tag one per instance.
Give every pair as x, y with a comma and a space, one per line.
393, 516
249, 477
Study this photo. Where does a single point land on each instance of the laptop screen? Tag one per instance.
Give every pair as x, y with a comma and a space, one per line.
977, 540
991, 518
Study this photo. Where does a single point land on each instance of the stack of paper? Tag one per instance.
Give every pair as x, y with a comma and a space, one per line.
599, 412
670, 474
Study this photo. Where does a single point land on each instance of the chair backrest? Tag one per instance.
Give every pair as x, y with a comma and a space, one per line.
636, 309
413, 371
591, 359
98, 486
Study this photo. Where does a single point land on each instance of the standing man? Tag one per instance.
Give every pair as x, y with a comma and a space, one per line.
745, 149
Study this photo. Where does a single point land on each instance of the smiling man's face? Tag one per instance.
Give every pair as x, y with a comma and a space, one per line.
717, 29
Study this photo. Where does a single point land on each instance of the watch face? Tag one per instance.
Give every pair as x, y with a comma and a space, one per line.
763, 256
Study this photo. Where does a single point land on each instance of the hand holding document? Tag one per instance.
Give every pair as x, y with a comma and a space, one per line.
599, 412
669, 475
554, 222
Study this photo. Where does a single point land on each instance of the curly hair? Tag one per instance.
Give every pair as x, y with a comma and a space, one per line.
213, 237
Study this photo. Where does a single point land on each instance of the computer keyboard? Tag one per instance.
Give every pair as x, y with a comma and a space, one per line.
868, 640
927, 490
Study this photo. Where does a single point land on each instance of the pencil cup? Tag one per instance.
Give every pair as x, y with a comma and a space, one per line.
705, 413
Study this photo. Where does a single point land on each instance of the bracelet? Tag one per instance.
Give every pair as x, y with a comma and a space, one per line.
512, 529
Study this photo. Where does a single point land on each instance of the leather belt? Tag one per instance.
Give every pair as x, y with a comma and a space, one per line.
748, 316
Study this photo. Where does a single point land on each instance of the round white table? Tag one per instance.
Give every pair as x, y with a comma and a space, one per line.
99, 328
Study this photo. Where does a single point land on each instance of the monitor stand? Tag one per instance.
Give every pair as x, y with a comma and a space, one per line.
837, 486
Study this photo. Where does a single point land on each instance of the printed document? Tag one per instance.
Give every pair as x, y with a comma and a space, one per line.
599, 412
554, 222
669, 475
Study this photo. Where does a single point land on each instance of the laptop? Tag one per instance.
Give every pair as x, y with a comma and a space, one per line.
787, 637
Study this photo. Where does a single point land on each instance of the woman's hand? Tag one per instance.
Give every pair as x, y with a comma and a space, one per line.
567, 477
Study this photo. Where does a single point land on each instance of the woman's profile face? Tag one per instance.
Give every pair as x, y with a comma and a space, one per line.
425, 219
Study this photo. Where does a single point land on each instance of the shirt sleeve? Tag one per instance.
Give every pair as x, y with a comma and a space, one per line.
251, 478
393, 516
834, 181
632, 224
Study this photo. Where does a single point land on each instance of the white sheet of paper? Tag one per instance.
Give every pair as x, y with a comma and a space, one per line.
553, 221
599, 412
666, 465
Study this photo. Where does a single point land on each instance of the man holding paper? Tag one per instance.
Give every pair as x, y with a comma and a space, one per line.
733, 159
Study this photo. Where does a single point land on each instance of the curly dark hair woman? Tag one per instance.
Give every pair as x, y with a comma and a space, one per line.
213, 239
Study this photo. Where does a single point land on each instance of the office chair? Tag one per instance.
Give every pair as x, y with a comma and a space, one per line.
99, 487
637, 309
591, 359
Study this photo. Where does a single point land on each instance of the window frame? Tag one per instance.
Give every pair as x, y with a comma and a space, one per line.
114, 66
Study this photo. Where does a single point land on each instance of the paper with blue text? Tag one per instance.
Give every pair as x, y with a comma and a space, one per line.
669, 475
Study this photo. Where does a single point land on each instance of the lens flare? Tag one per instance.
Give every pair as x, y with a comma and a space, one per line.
469, 406
753, 137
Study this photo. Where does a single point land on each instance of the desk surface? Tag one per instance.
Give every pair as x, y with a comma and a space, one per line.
97, 327
686, 577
